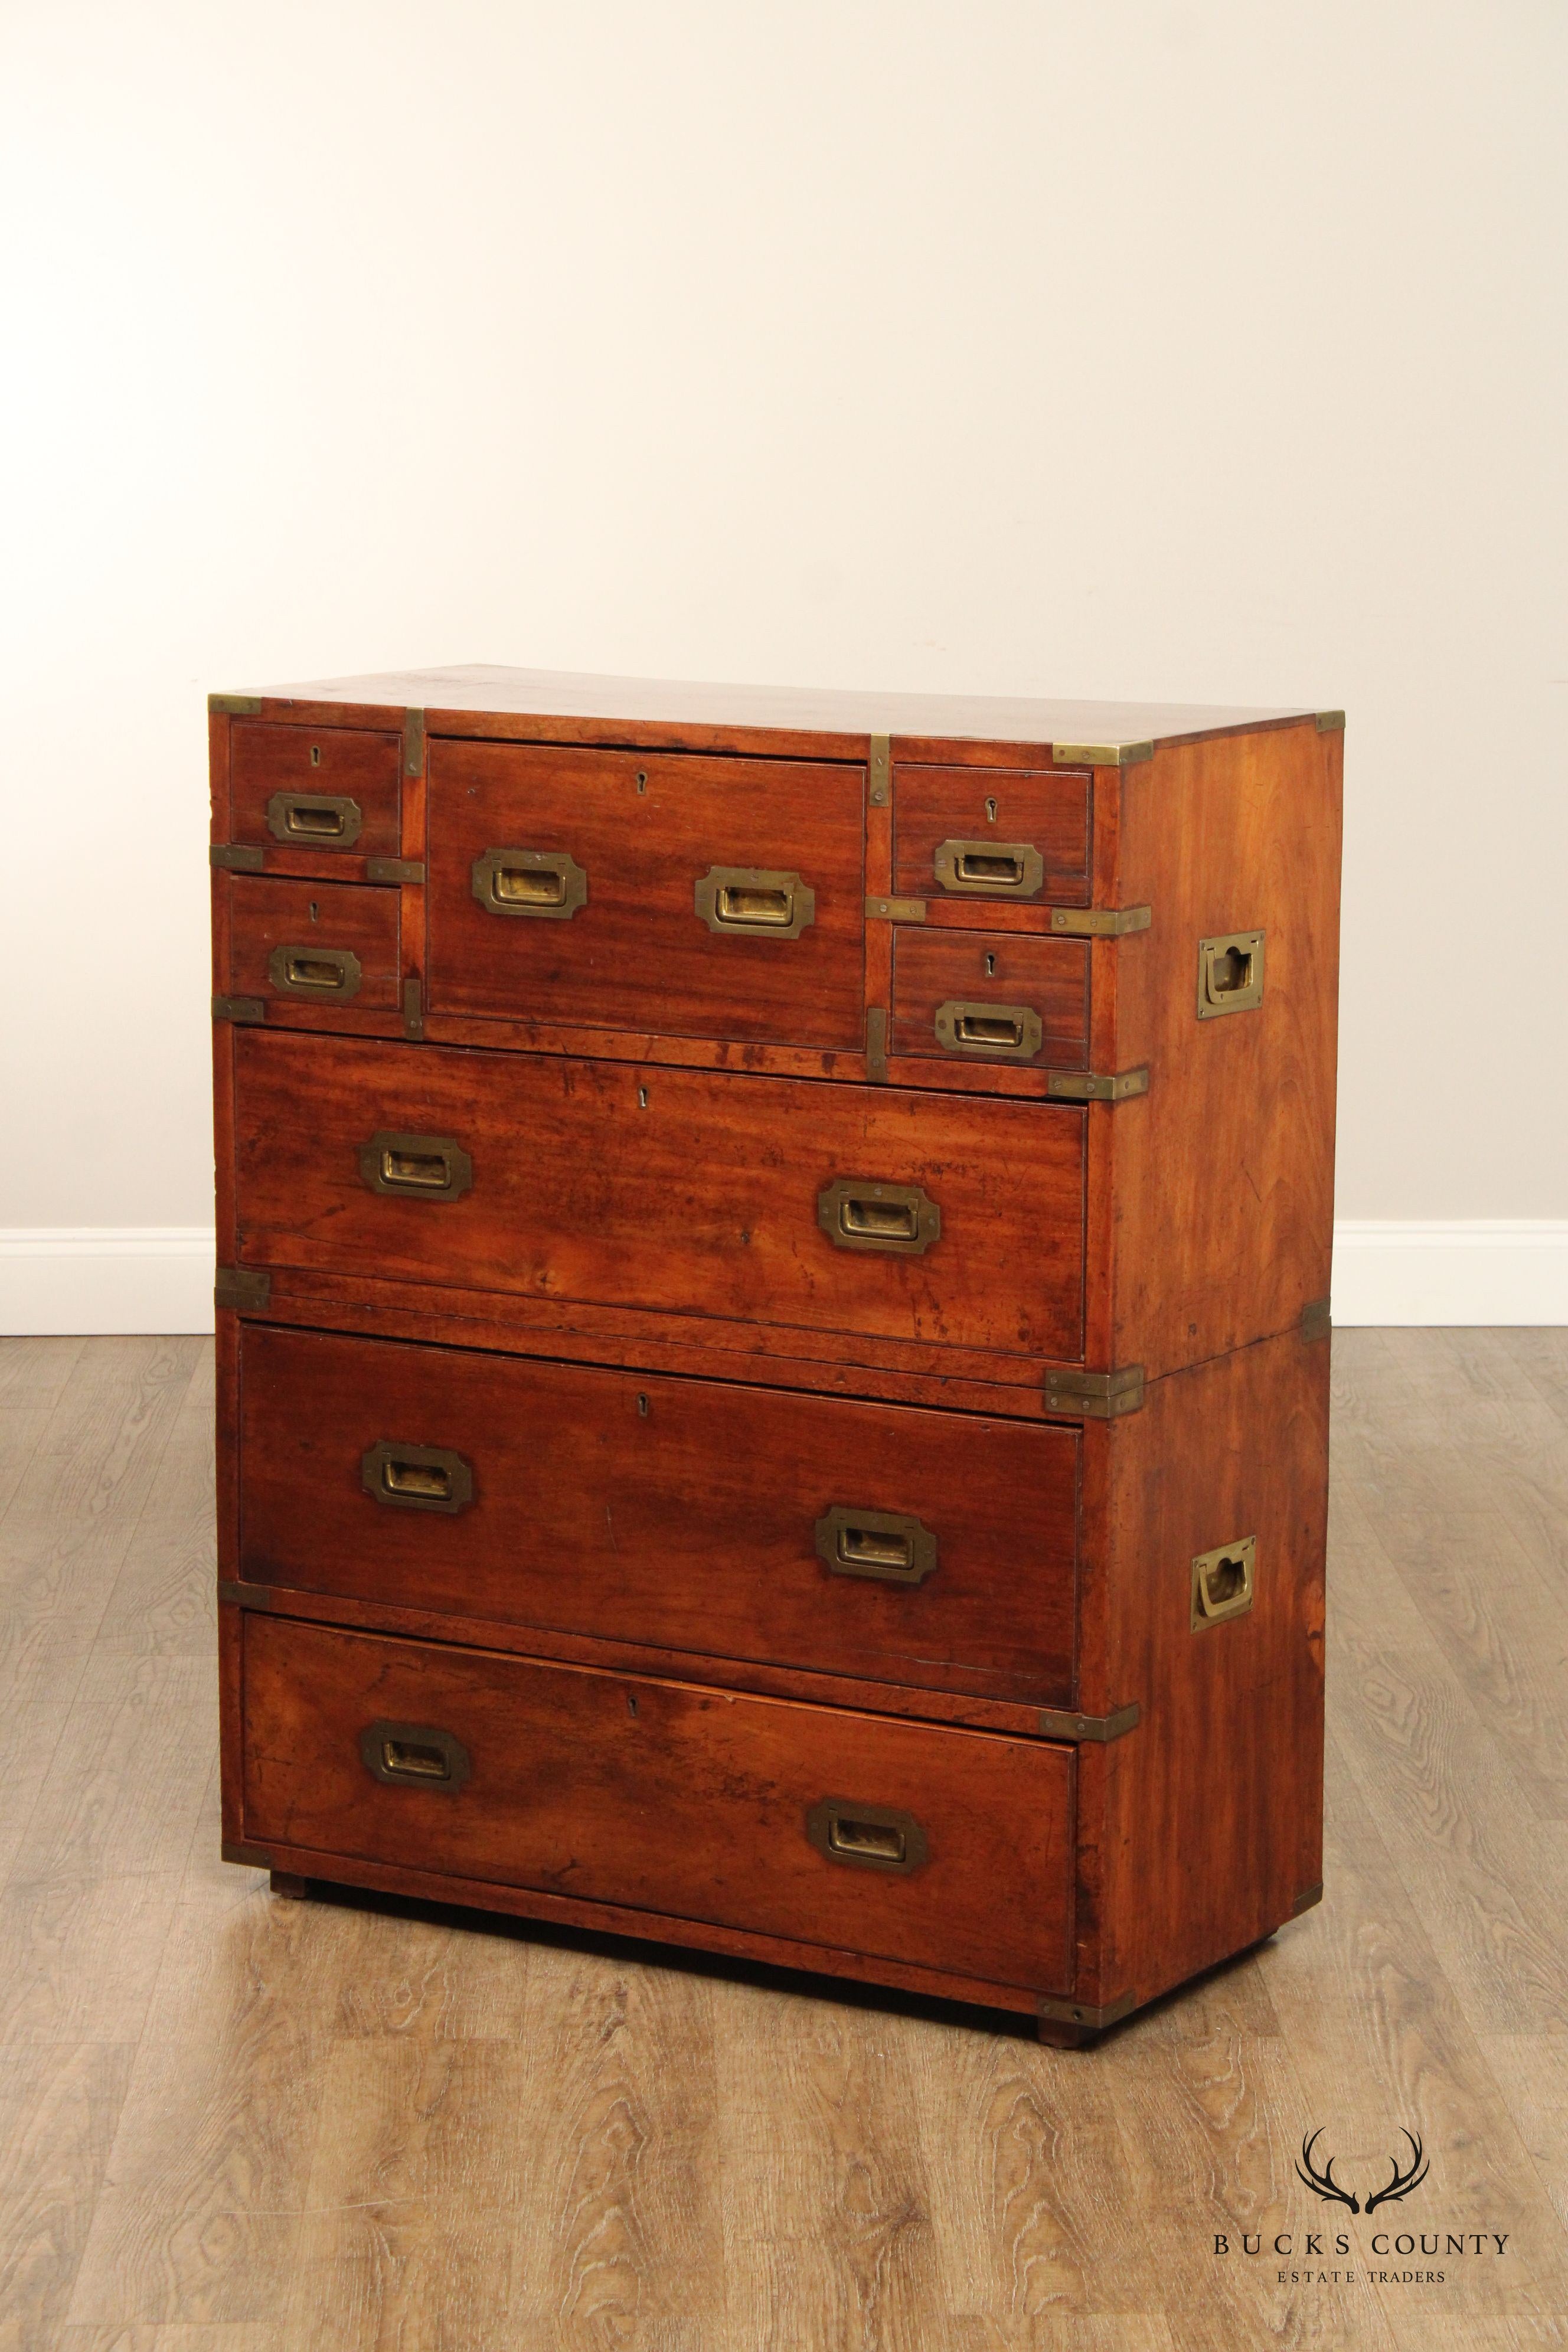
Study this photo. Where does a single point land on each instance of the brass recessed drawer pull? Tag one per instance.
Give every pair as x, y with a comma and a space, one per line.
314, 971
416, 1477
884, 1545
1012, 1032
992, 869
530, 882
314, 820
1222, 1582
871, 1837
756, 900
423, 1167
414, 1755
856, 1213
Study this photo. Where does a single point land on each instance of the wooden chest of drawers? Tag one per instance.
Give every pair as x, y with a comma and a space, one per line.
773, 1316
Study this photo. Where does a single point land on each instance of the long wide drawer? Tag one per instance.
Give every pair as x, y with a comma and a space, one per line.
942, 1848
931, 1549
779, 1202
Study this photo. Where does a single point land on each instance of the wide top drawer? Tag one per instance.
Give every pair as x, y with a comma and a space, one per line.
647, 892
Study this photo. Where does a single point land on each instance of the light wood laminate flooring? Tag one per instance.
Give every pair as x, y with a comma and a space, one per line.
232, 2123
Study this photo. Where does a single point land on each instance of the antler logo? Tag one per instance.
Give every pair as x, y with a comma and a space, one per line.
1323, 2184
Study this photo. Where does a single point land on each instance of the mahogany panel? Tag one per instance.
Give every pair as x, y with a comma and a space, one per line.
684, 1192
267, 913
1046, 977
1047, 811
1200, 1832
681, 1514
643, 830
330, 762
666, 1797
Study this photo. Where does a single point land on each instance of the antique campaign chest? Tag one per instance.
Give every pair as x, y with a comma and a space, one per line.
773, 1319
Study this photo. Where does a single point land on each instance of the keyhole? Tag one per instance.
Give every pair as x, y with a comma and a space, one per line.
315, 755
631, 1702
990, 967
642, 780
313, 910
990, 812
642, 1407
642, 1098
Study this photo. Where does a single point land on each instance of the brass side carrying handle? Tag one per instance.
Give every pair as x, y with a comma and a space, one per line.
415, 1756
868, 1837
886, 1545
314, 820
1230, 974
419, 1167
416, 1477
758, 902
859, 1212
315, 972
991, 869
1009, 1033
1222, 1582
541, 882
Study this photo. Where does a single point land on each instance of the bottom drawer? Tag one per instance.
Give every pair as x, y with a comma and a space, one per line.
945, 1849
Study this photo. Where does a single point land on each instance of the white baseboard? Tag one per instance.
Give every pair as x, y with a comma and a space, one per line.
121, 1278
106, 1278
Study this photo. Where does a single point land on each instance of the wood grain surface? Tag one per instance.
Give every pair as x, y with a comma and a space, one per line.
235, 2123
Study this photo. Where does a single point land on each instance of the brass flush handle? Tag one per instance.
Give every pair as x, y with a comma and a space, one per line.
992, 869
314, 820
1230, 974
530, 882
1222, 1582
415, 1755
423, 1167
856, 1213
870, 1837
1010, 1033
884, 1545
314, 971
759, 901
417, 1477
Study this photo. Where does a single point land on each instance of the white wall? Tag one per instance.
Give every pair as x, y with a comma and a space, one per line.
1210, 351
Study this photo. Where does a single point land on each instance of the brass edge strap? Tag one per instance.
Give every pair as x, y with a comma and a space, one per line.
1101, 922
1101, 1396
257, 1856
413, 1010
1097, 1086
879, 770
1078, 2012
1330, 722
1101, 755
1306, 1899
413, 742
238, 1008
393, 870
895, 910
235, 706
1060, 1723
246, 1287
236, 856
876, 1041
1316, 1320
246, 1596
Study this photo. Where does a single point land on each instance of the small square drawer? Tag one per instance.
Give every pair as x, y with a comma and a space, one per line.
998, 997
317, 790
328, 944
944, 1849
1013, 835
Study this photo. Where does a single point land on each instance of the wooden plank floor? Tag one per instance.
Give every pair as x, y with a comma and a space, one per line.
235, 2123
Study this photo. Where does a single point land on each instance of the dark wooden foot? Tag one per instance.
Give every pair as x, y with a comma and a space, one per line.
285, 1882
1057, 2036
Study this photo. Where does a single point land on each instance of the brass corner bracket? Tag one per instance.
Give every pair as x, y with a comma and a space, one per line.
236, 858
1101, 922
1098, 1396
1330, 722
1101, 755
1082, 2012
1061, 1723
1097, 1086
238, 1008
247, 1289
413, 742
1316, 1319
234, 706
879, 770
